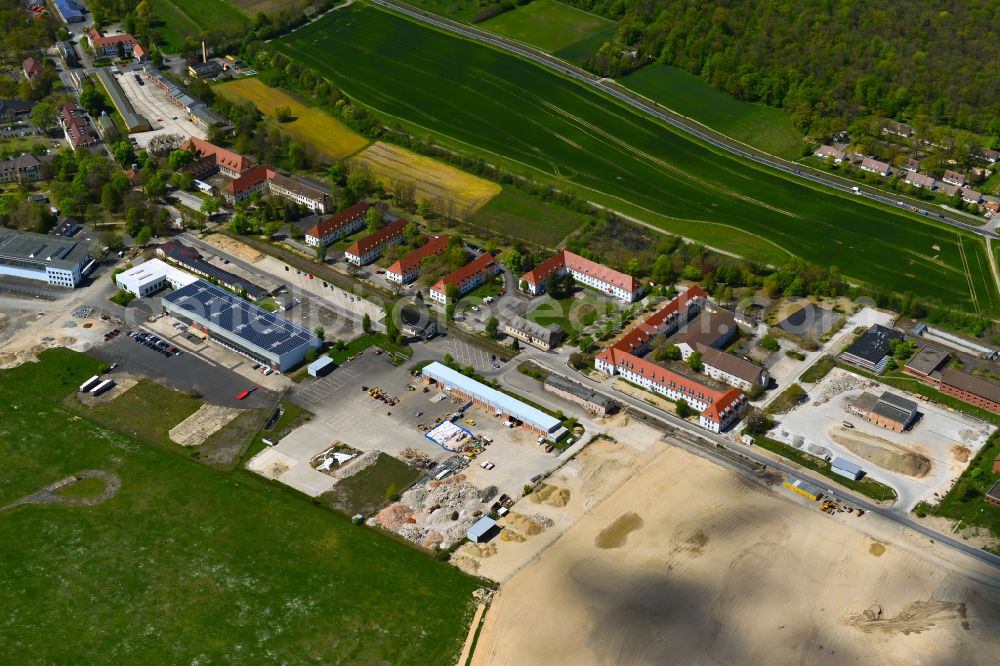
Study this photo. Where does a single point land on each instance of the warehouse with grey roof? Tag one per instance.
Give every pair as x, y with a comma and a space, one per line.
240, 325
58, 261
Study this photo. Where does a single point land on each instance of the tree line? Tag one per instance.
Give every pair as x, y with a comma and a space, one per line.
826, 62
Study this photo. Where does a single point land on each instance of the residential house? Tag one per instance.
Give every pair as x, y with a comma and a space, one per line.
408, 268
250, 183
536, 335
897, 128
992, 205
825, 152
607, 280
919, 180
32, 68
954, 178
312, 198
732, 369
989, 155
912, 165
75, 126
210, 158
24, 168
140, 54
371, 247
467, 278
873, 165
13, 109
718, 408
335, 227
971, 196
111, 46
946, 189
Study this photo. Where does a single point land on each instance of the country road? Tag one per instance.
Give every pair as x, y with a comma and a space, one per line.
682, 123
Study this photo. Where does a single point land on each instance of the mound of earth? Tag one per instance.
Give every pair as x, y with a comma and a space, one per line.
521, 523
881, 452
551, 495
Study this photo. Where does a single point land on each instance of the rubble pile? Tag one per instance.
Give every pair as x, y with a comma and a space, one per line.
841, 382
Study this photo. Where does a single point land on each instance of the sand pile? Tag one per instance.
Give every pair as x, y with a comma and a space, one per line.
511, 535
551, 495
521, 523
881, 452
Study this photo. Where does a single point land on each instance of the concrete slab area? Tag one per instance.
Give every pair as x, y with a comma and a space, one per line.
151, 102
948, 439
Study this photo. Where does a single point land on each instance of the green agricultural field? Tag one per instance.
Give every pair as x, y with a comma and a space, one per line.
754, 124
578, 52
524, 117
186, 564
548, 24
522, 216
179, 19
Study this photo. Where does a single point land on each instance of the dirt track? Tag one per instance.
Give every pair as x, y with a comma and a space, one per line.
687, 563
882, 452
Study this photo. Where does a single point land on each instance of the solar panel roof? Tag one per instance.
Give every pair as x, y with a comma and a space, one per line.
255, 326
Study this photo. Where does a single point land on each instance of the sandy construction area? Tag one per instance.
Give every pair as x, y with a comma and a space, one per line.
689, 563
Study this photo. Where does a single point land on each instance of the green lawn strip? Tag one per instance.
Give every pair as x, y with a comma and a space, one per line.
897, 379
584, 140
819, 370
753, 123
373, 487
57, 373
966, 500
866, 486
292, 417
528, 218
573, 313
146, 411
187, 18
788, 398
187, 564
363, 342
578, 52
547, 24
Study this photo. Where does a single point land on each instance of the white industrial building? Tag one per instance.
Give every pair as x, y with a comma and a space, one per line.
239, 325
494, 401
151, 276
58, 261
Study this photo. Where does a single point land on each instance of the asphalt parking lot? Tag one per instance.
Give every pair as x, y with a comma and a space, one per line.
187, 372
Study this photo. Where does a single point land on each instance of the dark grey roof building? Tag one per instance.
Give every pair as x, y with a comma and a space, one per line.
240, 326
190, 259
594, 402
871, 351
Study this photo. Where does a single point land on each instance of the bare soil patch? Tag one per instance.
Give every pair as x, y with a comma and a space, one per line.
882, 452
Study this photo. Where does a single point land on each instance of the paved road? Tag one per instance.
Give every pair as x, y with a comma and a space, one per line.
705, 447
621, 93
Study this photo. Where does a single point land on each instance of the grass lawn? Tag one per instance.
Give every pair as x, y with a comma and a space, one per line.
292, 417
752, 123
310, 125
491, 288
520, 215
573, 313
866, 486
580, 51
186, 564
819, 370
177, 19
88, 487
790, 397
146, 411
532, 121
226, 447
363, 342
548, 24
368, 491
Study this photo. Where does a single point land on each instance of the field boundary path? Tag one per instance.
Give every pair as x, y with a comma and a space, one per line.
47, 495
683, 123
